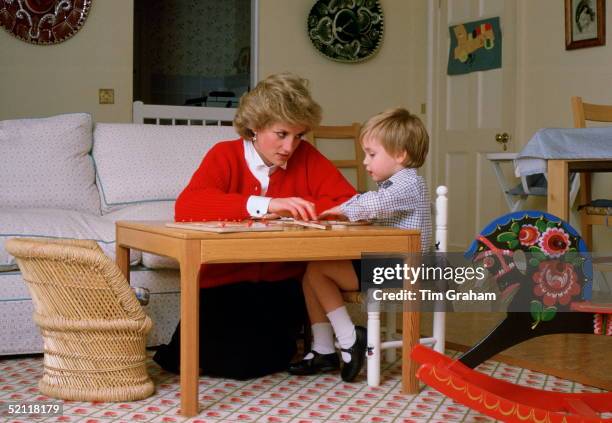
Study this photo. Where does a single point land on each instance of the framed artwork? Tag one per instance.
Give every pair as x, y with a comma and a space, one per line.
585, 23
475, 46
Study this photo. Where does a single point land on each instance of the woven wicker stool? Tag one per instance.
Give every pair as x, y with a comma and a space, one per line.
93, 328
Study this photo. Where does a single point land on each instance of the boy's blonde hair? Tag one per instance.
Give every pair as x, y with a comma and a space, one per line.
280, 98
398, 130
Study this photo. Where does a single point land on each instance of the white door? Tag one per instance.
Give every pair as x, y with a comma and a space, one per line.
469, 110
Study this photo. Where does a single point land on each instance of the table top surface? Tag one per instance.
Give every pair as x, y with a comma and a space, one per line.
289, 231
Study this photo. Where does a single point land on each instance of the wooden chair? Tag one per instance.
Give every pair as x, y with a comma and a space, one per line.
93, 328
589, 216
375, 345
349, 132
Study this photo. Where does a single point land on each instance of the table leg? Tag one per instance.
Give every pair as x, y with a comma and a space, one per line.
190, 327
122, 258
558, 189
410, 338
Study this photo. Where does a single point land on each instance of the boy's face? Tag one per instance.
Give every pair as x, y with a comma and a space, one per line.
378, 163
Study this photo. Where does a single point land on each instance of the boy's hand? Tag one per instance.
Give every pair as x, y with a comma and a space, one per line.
334, 211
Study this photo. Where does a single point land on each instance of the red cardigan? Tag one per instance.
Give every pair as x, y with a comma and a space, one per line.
221, 186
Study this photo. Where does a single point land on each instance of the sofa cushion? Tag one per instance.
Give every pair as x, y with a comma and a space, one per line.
156, 210
46, 163
56, 223
140, 163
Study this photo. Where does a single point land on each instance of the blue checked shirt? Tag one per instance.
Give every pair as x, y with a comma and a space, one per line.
401, 201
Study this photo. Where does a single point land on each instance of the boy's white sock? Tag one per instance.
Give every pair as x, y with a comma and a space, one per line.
344, 329
322, 339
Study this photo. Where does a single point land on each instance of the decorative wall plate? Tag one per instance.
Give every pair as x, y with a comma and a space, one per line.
43, 21
346, 30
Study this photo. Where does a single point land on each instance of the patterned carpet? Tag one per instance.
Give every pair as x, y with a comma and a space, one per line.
276, 398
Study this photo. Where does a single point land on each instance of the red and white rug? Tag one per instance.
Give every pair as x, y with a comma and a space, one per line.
276, 398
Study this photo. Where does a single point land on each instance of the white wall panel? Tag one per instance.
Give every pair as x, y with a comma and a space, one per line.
489, 195
458, 11
490, 99
457, 111
488, 8
459, 180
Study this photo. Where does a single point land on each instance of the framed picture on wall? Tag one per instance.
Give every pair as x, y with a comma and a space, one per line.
585, 23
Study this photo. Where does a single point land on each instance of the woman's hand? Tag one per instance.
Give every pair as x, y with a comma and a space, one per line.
296, 207
334, 211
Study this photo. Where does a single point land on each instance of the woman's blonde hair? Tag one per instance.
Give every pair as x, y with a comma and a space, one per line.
280, 98
398, 130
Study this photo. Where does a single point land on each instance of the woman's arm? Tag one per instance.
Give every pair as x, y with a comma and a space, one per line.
211, 192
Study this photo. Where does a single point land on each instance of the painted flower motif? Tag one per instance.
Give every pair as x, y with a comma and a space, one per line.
554, 242
528, 235
556, 281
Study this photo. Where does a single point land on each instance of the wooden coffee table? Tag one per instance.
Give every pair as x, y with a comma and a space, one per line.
193, 248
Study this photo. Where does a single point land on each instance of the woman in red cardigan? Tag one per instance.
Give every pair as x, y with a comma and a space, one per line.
251, 313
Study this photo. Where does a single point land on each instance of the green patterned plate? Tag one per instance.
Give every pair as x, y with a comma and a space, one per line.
346, 30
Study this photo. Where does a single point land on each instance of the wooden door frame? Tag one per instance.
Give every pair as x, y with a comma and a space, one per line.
433, 67
254, 77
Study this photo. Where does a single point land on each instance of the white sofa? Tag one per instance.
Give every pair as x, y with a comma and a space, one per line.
65, 177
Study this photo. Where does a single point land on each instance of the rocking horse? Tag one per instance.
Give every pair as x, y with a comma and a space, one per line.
547, 252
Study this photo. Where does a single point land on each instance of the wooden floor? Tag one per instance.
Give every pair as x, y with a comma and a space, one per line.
578, 357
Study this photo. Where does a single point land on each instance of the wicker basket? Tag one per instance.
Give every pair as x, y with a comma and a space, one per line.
93, 328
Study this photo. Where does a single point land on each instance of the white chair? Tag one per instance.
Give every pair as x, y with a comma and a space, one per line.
375, 345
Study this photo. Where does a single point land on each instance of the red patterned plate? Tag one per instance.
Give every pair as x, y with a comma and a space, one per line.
43, 21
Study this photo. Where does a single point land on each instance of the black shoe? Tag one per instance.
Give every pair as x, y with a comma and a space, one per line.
351, 369
166, 360
317, 364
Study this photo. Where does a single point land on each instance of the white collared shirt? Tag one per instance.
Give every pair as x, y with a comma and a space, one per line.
257, 205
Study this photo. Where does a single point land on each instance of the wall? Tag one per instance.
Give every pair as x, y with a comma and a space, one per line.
395, 76
45, 80
550, 75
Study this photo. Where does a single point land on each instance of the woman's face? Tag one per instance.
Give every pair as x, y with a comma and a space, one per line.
277, 142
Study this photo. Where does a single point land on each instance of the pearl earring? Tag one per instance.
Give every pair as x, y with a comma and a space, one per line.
254, 137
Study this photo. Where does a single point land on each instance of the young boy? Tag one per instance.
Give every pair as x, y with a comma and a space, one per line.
395, 143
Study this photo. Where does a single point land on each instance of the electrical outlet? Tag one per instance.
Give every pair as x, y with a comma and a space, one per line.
106, 95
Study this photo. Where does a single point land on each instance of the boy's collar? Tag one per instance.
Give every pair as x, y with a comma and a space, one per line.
405, 172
